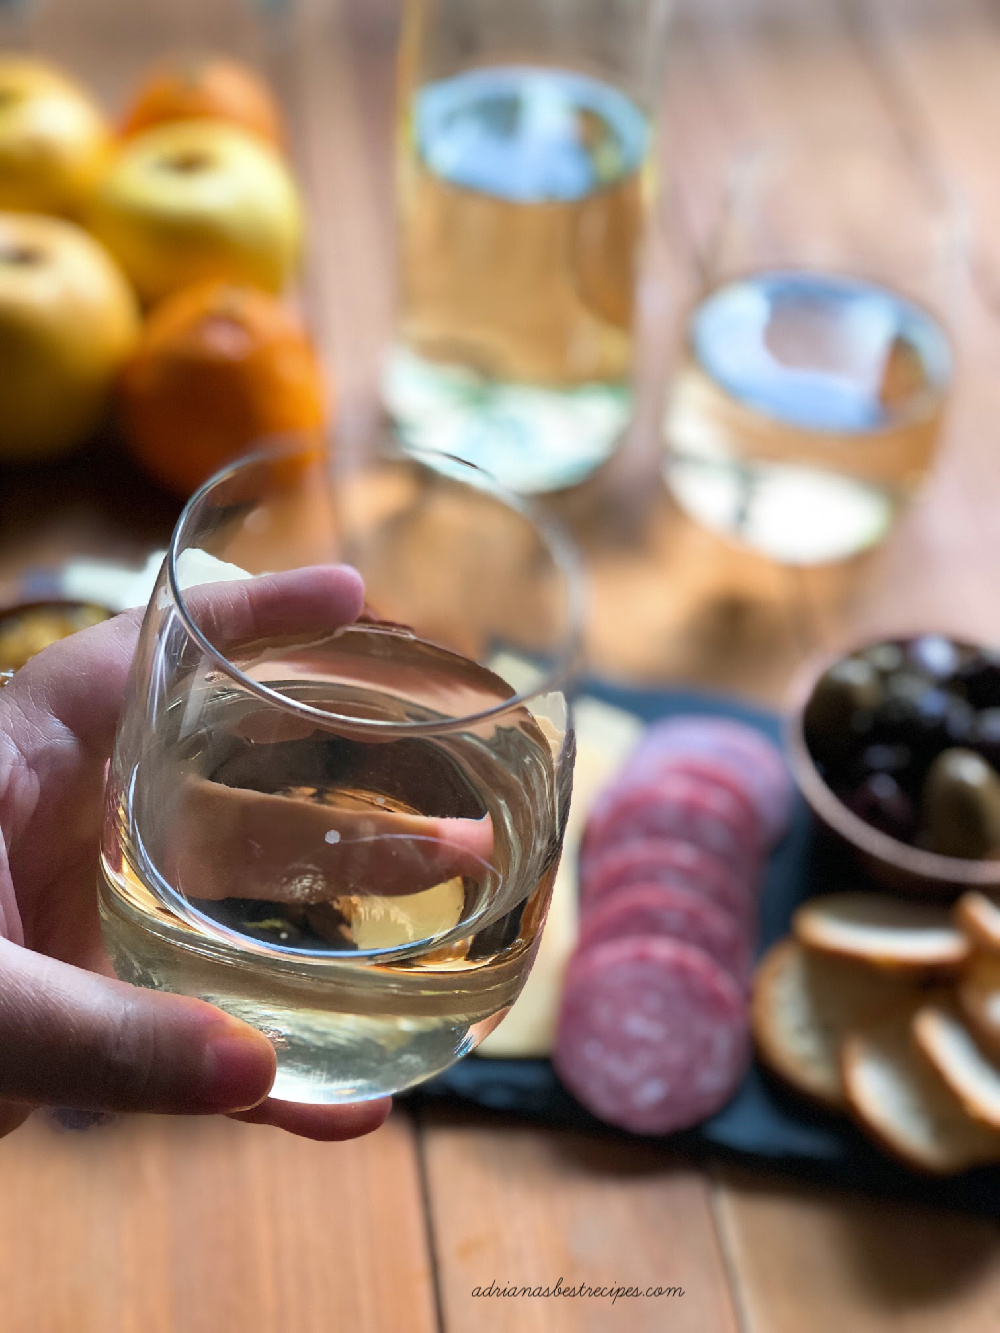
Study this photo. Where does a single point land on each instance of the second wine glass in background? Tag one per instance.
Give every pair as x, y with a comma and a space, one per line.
523, 174
817, 360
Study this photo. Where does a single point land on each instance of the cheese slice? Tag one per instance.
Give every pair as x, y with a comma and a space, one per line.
391, 922
604, 738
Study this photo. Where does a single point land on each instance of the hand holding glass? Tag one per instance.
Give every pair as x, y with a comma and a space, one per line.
344, 829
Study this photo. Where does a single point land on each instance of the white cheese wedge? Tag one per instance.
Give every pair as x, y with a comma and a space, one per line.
604, 737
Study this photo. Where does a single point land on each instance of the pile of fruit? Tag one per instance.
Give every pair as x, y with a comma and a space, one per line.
142, 270
889, 1011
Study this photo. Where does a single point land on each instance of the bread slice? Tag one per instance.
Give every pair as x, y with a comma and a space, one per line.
979, 917
978, 993
958, 1057
899, 1098
804, 1004
921, 939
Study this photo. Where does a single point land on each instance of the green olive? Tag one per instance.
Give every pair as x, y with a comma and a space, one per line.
886, 658
847, 693
961, 805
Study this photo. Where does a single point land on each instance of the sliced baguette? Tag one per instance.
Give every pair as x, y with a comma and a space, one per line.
953, 1050
978, 993
920, 939
804, 1004
899, 1098
979, 917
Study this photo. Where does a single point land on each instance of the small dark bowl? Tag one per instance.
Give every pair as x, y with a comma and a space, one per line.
894, 865
12, 611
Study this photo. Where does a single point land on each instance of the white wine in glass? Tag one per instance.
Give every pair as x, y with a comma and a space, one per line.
817, 364
345, 831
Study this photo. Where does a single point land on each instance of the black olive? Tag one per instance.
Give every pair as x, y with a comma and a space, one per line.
886, 658
908, 765
931, 713
942, 719
907, 686
984, 735
881, 802
897, 721
959, 721
979, 677
841, 706
933, 655
961, 805
894, 759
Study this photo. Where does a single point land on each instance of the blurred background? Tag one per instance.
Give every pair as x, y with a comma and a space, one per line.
215, 1227
910, 78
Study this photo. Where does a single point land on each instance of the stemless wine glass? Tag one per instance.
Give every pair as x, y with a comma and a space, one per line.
809, 400
524, 172
344, 828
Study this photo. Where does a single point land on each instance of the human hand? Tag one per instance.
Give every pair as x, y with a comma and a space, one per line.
71, 1035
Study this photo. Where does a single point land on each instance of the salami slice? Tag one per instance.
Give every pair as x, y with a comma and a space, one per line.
678, 806
713, 768
652, 1034
648, 910
672, 862
708, 769
741, 747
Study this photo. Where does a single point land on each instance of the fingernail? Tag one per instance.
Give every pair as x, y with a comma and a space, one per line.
238, 1066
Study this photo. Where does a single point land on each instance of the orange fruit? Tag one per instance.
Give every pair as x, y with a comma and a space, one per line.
218, 369
205, 87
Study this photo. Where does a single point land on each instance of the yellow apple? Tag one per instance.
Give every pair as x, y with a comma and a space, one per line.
195, 200
54, 142
68, 319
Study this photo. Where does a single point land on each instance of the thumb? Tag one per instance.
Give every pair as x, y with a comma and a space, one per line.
70, 1038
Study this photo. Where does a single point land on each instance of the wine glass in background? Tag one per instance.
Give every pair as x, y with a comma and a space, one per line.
524, 174
817, 361
346, 833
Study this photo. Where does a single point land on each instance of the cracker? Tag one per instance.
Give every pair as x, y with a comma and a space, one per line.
979, 917
921, 939
978, 992
804, 1004
899, 1098
951, 1047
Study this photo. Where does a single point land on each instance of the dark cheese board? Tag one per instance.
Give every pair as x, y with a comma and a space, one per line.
764, 1122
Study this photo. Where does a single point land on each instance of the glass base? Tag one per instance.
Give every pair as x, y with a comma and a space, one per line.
326, 1055
794, 515
331, 1059
528, 438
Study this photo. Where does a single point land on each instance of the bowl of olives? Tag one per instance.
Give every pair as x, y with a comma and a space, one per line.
28, 627
896, 747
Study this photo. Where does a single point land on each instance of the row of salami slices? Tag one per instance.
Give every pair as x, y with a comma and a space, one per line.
653, 1031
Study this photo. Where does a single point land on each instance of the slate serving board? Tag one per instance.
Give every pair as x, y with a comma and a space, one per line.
764, 1121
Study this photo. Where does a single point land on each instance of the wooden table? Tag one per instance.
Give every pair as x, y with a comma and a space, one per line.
163, 1226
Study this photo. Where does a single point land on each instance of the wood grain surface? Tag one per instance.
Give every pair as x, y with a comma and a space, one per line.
512, 1206
160, 1225
209, 1227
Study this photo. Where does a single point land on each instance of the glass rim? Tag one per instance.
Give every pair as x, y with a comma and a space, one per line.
552, 533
